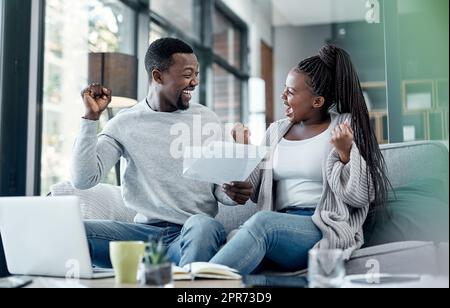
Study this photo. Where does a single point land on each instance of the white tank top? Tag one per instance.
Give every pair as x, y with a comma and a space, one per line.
298, 171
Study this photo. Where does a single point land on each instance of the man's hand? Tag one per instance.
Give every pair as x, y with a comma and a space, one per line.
342, 139
96, 99
241, 134
239, 192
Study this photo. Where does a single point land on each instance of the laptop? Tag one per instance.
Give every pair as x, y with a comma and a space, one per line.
45, 236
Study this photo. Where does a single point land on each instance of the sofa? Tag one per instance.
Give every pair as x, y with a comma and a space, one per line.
413, 238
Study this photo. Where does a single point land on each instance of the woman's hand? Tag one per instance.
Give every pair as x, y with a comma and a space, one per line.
342, 139
239, 192
241, 134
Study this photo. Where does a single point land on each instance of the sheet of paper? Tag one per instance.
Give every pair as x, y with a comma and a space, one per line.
222, 162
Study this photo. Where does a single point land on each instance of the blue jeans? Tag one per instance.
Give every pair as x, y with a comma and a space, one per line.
198, 240
282, 239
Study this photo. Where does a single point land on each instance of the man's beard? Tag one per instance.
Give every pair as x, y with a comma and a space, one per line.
181, 105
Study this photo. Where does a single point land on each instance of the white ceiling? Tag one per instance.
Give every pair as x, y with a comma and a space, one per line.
313, 12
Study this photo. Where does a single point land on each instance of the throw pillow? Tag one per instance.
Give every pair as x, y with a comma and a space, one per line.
417, 212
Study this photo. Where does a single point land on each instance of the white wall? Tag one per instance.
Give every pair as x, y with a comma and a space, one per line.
257, 14
292, 45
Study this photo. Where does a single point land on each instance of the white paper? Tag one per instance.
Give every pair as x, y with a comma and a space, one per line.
222, 162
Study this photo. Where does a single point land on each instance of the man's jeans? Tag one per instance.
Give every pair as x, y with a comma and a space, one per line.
282, 239
198, 240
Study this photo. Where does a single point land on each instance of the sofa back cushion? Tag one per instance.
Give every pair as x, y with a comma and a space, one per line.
407, 162
103, 202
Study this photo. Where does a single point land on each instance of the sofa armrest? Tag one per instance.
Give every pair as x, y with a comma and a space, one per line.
103, 202
395, 258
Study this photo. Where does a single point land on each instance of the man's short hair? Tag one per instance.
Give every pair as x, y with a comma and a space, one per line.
159, 54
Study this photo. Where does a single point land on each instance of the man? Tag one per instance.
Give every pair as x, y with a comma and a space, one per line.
175, 209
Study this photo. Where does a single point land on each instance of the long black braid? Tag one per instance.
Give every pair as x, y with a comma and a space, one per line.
333, 76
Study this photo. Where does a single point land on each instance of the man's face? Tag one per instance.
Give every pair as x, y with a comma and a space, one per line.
179, 81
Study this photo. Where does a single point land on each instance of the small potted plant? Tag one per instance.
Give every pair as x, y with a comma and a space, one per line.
156, 270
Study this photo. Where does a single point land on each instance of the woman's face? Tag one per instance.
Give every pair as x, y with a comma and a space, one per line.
298, 98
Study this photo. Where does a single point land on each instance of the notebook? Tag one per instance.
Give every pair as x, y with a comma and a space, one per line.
205, 270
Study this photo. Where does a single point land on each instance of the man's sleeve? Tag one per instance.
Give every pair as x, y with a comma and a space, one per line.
223, 197
93, 156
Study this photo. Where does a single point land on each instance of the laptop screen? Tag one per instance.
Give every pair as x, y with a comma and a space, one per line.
3, 269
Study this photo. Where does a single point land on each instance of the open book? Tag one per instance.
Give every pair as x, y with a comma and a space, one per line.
204, 270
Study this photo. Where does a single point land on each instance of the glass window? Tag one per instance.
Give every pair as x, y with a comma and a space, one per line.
227, 39
257, 125
184, 14
111, 26
423, 40
157, 32
228, 68
365, 43
72, 30
227, 95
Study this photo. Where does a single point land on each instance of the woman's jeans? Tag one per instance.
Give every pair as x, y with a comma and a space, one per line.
280, 238
198, 240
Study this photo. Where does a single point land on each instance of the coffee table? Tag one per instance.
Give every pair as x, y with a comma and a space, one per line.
44, 282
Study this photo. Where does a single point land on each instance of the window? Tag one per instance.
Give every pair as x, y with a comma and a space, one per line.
72, 30
257, 109
405, 82
183, 15
229, 35
227, 40
365, 44
157, 32
423, 71
227, 95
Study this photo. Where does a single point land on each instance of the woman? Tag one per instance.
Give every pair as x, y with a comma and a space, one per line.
324, 171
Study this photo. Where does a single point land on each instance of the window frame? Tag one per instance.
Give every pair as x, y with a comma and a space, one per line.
242, 73
172, 29
137, 6
14, 117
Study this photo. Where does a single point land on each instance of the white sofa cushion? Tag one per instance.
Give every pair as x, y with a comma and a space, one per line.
103, 202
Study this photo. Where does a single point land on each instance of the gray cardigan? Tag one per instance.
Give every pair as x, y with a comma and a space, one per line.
344, 203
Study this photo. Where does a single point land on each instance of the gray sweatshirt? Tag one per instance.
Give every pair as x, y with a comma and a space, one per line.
152, 143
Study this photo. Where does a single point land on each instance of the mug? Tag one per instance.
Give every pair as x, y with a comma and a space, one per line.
125, 259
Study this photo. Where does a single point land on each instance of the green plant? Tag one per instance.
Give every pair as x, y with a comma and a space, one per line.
155, 253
